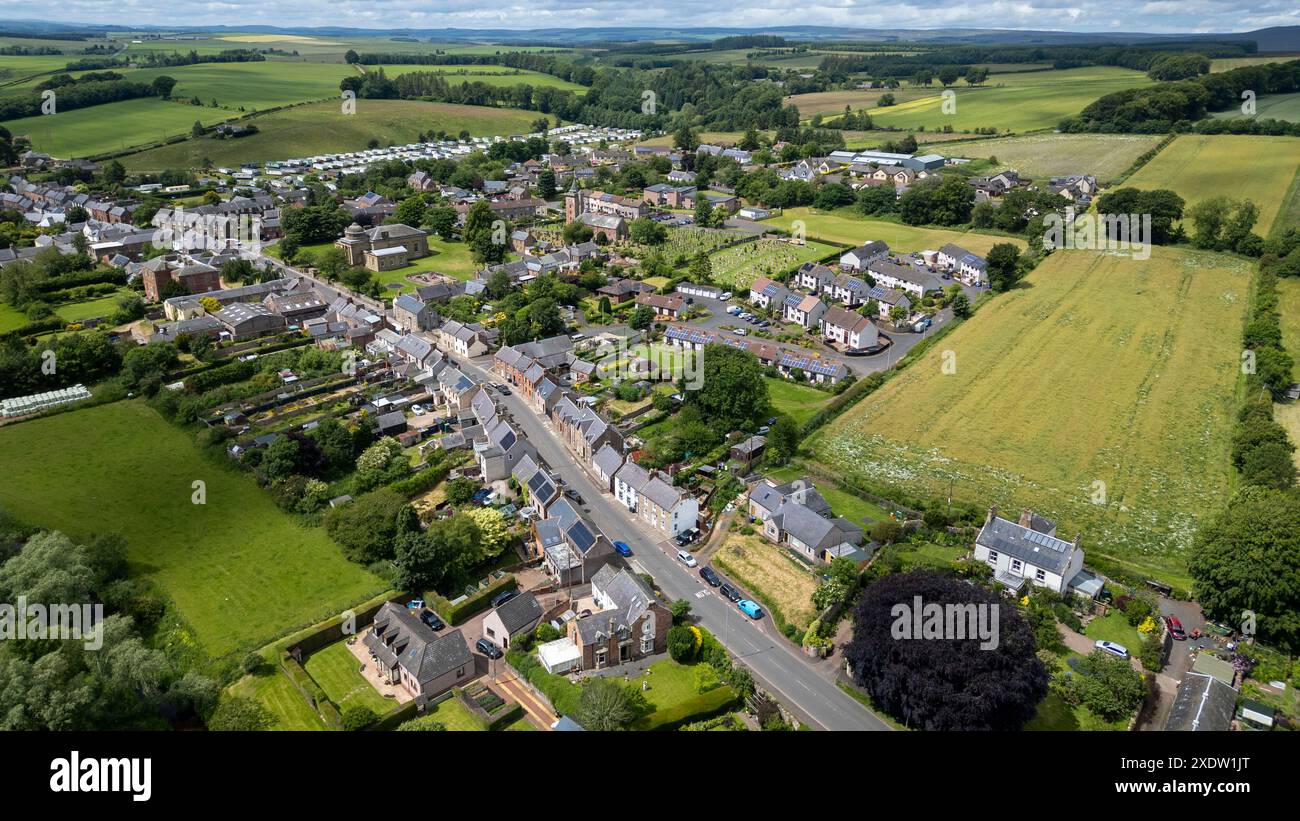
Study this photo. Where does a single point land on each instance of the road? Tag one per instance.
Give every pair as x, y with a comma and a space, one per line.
773, 662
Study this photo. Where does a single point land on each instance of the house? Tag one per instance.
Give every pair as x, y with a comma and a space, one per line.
630, 624
813, 277
582, 429
1028, 550
509, 620
159, 273
572, 550
605, 464
908, 278
889, 298
766, 293
384, 247
795, 515
859, 258
665, 306
621, 290
408, 653
971, 269
579, 201
410, 313
850, 331
803, 310
500, 449
671, 196
1203, 704
468, 339
656, 501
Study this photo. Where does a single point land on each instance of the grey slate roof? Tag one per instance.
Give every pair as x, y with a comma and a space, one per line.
608, 460
1039, 549
398, 637
519, 613
1203, 703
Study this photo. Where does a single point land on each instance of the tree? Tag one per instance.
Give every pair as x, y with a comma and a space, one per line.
1247, 558
681, 609
460, 490
945, 683
703, 211
604, 705
411, 211
1108, 685
1003, 266
114, 174
197, 129
162, 85
369, 527
642, 318
732, 389
546, 184
960, 306
240, 714
351, 57
684, 139
493, 529
357, 717
782, 440
281, 459
481, 234
885, 531
682, 643
646, 231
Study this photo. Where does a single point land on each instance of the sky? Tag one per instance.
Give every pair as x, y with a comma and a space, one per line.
1160, 16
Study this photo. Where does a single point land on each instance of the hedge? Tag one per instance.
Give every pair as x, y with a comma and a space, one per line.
697, 708
455, 614
562, 693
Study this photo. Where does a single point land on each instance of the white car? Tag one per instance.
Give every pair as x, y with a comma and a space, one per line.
686, 558
418, 410
725, 296
1112, 648
739, 331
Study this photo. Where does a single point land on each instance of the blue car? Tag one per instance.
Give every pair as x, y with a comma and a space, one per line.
622, 548
750, 608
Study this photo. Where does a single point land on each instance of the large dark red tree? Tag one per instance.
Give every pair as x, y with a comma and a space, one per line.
944, 683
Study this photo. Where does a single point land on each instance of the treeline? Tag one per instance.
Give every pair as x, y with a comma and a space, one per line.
1175, 106
158, 59
541, 63
79, 95
748, 41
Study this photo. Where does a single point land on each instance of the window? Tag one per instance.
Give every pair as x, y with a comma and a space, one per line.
1016, 566
993, 557
1040, 575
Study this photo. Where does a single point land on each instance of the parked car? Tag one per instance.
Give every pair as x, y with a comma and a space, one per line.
739, 331
709, 576
505, 391
726, 295
764, 431
770, 421
431, 619
418, 410
503, 597
488, 649
1112, 648
686, 558
730, 592
1175, 628
574, 495
733, 310
622, 548
750, 608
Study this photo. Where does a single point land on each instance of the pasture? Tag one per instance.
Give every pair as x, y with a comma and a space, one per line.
486, 74
1024, 101
237, 569
1040, 156
845, 227
1197, 167
322, 128
1101, 369
737, 266
253, 86
828, 103
799, 402
116, 126
1270, 106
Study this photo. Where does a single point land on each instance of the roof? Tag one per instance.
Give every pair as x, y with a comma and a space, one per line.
607, 460
1026, 544
629, 596
399, 637
519, 613
1203, 703
1210, 665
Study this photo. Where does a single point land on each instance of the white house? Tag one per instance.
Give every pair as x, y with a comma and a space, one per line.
804, 310
849, 330
668, 509
909, 279
971, 269
1028, 550
862, 256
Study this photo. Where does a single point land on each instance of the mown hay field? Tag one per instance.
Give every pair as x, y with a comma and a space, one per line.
1102, 369
1040, 156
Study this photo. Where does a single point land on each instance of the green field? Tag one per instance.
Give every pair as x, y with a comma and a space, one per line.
1102, 369
1198, 167
11, 318
737, 266
252, 85
1229, 63
99, 129
1270, 106
1040, 156
102, 307
487, 74
829, 103
282, 700
335, 669
238, 570
845, 227
322, 128
1013, 102
799, 402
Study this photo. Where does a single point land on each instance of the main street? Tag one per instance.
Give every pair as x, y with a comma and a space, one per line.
774, 663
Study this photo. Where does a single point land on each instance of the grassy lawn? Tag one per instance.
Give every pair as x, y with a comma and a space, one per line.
277, 694
78, 311
1198, 167
238, 570
321, 128
769, 572
800, 402
454, 716
335, 669
11, 318
846, 227
1022, 101
1142, 397
1114, 627
1055, 715
928, 555
736, 267
1040, 156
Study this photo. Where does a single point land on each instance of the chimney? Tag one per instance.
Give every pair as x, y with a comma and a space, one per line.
993, 511
1026, 518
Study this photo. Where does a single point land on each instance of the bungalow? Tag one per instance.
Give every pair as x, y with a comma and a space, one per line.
512, 619
1028, 550
796, 515
410, 654
665, 306
621, 290
851, 332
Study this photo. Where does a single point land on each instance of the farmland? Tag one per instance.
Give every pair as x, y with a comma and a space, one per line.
1013, 102
1131, 367
1039, 156
737, 266
117, 126
131, 472
1198, 167
487, 74
1270, 106
844, 227
832, 102
321, 128
251, 85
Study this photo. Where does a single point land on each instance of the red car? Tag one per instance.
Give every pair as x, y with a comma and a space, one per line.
1175, 628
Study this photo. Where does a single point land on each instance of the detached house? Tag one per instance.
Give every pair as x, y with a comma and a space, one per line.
1028, 550
665, 306
794, 514
410, 654
515, 617
631, 623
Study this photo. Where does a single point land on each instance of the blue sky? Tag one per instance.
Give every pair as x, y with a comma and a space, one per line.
1059, 15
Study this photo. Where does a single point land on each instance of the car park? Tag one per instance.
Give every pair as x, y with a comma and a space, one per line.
622, 548
750, 608
730, 592
1112, 648
686, 558
710, 576
1175, 628
488, 649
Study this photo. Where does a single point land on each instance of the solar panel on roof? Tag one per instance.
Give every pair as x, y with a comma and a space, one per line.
582, 537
